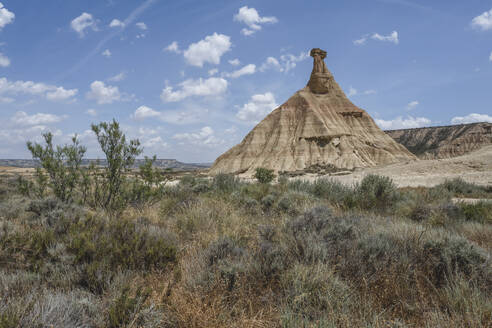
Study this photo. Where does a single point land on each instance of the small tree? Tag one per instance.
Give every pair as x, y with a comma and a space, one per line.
62, 166
264, 175
148, 186
120, 156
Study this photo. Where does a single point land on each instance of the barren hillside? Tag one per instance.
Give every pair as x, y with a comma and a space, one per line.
444, 141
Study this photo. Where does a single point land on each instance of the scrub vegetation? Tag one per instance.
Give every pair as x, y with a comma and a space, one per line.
110, 247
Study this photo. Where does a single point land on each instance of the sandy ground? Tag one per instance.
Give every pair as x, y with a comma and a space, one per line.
474, 167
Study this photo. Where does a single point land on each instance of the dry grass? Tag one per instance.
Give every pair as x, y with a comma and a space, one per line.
249, 255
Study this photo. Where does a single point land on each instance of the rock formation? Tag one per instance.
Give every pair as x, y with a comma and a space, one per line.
444, 141
318, 125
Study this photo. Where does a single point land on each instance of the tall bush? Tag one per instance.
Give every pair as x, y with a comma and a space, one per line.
120, 156
61, 164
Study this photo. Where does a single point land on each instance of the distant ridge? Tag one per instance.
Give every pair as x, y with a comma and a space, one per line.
445, 141
161, 163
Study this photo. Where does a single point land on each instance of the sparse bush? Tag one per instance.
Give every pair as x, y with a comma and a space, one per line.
478, 212
125, 308
62, 166
44, 206
225, 183
458, 186
451, 256
268, 201
201, 187
96, 240
223, 259
293, 202
264, 175
120, 156
420, 213
376, 192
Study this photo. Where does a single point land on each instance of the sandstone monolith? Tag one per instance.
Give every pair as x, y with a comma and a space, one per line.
317, 126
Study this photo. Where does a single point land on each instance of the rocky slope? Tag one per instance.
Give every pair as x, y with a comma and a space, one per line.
444, 141
318, 125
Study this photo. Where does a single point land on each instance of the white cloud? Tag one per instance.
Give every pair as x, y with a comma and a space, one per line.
170, 116
393, 37
204, 137
61, 94
4, 60
103, 94
208, 50
257, 108
483, 21
144, 112
173, 47
355, 92
84, 21
141, 25
252, 19
155, 142
234, 62
106, 53
360, 41
401, 123
50, 92
246, 70
247, 32
116, 23
22, 118
271, 62
231, 130
412, 105
212, 71
285, 64
213, 86
118, 77
490, 57
91, 112
20, 134
471, 118
6, 16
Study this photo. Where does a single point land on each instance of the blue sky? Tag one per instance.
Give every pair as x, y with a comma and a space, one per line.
191, 78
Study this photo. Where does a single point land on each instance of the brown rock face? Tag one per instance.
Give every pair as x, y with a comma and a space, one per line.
444, 141
318, 125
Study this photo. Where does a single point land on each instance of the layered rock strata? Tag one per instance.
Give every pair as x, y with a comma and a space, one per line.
444, 141
318, 125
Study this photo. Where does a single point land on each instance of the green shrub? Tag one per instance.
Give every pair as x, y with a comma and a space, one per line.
112, 241
264, 175
120, 156
450, 256
201, 187
420, 212
316, 293
62, 165
9, 320
458, 186
268, 201
224, 261
376, 192
478, 212
225, 183
124, 309
293, 202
